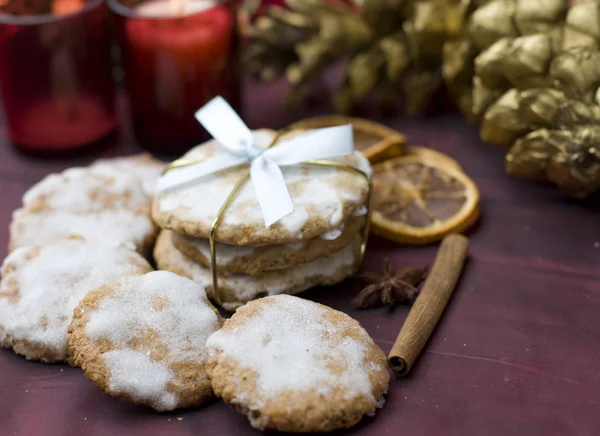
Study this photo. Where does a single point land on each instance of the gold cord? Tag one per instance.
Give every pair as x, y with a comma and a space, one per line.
180, 163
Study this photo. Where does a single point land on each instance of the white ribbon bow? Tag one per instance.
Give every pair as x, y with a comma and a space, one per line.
221, 121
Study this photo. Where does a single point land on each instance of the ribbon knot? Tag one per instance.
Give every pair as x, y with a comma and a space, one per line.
252, 151
241, 146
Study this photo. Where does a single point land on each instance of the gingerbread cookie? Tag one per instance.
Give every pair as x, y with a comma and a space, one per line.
84, 190
236, 290
143, 338
244, 259
116, 227
142, 166
98, 203
323, 198
293, 365
42, 284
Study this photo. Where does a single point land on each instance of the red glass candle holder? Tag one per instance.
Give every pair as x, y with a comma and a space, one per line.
55, 75
174, 61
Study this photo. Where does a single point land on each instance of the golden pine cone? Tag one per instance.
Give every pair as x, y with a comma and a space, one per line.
530, 77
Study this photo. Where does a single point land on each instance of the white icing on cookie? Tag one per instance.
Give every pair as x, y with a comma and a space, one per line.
360, 211
228, 253
142, 166
316, 192
333, 234
112, 226
173, 307
83, 190
272, 283
295, 221
101, 203
290, 344
41, 285
134, 373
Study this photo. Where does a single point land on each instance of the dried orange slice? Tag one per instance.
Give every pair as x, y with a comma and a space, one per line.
418, 199
376, 141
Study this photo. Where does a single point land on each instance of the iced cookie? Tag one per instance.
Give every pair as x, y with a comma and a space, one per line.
323, 198
293, 365
97, 203
142, 166
236, 290
143, 338
116, 227
244, 259
42, 284
83, 190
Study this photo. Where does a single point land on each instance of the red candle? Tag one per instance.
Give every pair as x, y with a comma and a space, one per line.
176, 56
55, 73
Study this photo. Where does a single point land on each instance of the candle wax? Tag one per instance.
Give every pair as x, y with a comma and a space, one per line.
64, 7
189, 40
173, 8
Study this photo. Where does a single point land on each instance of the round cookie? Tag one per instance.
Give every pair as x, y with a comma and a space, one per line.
237, 290
42, 284
245, 259
323, 198
116, 227
293, 365
143, 338
83, 190
98, 203
142, 166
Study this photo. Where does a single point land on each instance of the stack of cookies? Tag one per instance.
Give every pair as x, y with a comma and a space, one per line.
317, 244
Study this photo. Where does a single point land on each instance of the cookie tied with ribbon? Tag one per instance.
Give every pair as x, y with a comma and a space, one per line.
263, 188
241, 146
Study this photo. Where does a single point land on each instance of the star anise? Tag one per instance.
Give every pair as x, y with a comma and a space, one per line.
394, 287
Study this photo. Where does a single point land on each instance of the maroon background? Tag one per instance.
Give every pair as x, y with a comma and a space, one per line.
517, 352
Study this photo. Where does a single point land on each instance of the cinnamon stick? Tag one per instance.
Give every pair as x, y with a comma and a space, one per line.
430, 304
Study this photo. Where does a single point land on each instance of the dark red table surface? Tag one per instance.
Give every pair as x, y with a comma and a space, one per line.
517, 351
